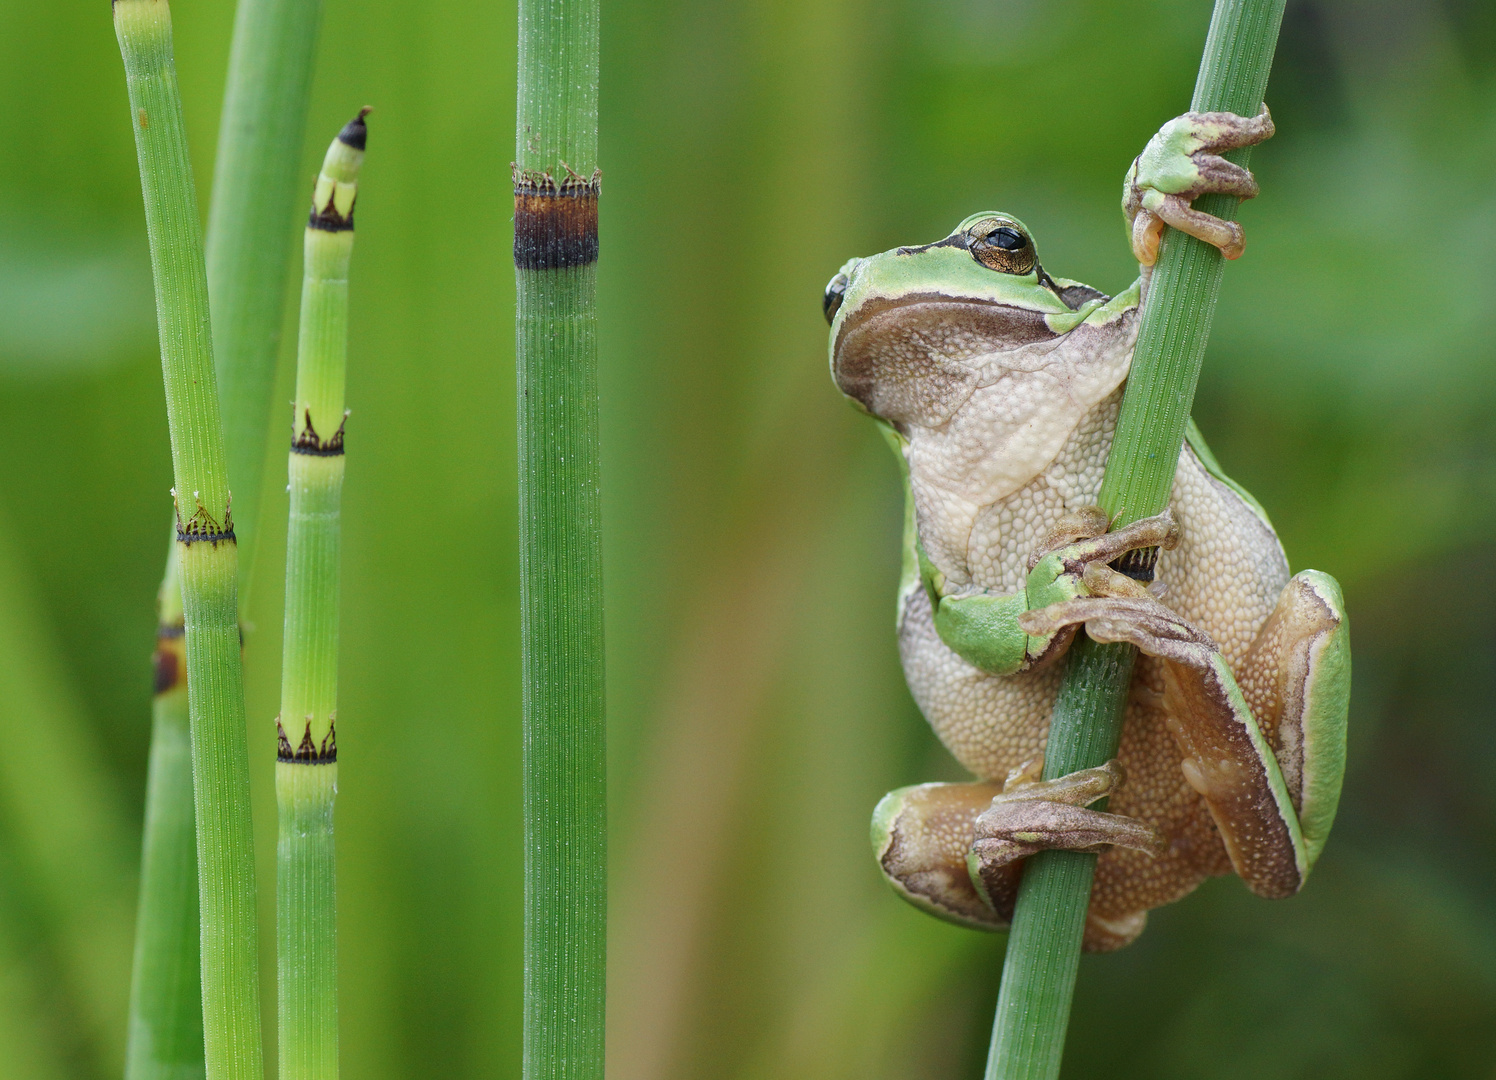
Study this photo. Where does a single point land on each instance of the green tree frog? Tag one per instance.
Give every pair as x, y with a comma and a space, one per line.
998, 386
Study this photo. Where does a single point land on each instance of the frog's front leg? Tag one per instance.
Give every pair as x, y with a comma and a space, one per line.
983, 628
1266, 750
1180, 164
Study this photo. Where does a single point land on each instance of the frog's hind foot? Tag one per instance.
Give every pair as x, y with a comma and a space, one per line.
1181, 163
956, 850
1041, 815
1227, 756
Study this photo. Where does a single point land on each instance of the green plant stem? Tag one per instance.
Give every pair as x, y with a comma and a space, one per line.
248, 257
206, 548
555, 255
166, 1011
1033, 1009
251, 228
306, 772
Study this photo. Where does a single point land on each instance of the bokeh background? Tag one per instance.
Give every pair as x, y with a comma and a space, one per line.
756, 707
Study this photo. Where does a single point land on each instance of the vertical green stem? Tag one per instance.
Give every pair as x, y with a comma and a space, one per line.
251, 228
249, 248
1033, 1008
306, 772
206, 548
166, 1012
555, 254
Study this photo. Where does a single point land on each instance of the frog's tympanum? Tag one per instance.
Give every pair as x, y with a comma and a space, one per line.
998, 385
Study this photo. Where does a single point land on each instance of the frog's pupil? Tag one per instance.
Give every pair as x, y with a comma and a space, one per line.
1007, 239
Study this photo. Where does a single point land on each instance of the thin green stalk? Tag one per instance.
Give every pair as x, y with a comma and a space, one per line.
306, 775
166, 1011
555, 258
248, 256
206, 548
1033, 1008
250, 230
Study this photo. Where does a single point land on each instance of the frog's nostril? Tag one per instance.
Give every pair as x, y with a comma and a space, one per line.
831, 302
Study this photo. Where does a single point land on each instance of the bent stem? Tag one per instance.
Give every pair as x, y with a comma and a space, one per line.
1033, 1008
248, 257
555, 257
205, 547
306, 774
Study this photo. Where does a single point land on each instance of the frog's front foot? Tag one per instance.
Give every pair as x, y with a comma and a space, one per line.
1068, 560
1181, 163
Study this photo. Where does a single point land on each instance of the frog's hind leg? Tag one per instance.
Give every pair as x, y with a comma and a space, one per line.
1230, 734
957, 850
921, 836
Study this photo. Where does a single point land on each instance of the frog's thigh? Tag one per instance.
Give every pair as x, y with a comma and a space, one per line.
1296, 677
1224, 755
921, 836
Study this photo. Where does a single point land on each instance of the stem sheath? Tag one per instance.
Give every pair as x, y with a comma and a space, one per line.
206, 548
556, 189
1033, 1008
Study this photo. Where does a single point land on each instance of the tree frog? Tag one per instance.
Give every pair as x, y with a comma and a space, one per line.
998, 386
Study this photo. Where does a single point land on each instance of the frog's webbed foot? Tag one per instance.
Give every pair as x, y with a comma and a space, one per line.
1077, 543
1181, 163
1224, 753
1032, 815
954, 849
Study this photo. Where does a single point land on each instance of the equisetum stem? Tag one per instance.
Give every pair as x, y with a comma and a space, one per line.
206, 548
256, 185
555, 255
166, 1013
248, 255
306, 768
1033, 1008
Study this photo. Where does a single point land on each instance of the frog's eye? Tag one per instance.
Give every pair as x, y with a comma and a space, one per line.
1001, 245
831, 302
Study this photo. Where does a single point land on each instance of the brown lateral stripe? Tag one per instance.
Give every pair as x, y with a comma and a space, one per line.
555, 227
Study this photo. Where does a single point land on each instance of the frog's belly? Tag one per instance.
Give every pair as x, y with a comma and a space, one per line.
1225, 576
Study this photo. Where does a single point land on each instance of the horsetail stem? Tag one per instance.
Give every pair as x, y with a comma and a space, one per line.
561, 627
306, 768
1033, 1007
248, 258
166, 1013
205, 546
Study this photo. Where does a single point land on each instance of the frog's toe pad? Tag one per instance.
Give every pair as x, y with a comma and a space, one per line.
1014, 830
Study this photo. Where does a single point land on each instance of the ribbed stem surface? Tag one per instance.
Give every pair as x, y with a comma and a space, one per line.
166, 1011
252, 226
306, 772
251, 223
1033, 1009
209, 558
555, 254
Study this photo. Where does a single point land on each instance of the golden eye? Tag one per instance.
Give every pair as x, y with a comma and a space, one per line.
1000, 245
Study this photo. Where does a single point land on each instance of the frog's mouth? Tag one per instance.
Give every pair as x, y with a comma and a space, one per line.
902, 358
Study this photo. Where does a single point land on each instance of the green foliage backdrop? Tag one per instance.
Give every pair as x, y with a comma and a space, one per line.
757, 711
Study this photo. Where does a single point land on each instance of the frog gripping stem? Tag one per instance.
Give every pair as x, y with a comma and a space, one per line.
1039, 971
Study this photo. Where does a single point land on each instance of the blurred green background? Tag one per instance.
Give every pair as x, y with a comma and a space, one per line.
757, 710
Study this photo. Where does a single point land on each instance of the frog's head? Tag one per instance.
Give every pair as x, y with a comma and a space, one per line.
913, 330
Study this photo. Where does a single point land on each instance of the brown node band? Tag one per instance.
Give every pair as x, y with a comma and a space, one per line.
308, 442
555, 225
1137, 564
203, 526
307, 752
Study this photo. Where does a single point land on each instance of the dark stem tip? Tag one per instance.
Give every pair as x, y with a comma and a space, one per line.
355, 133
